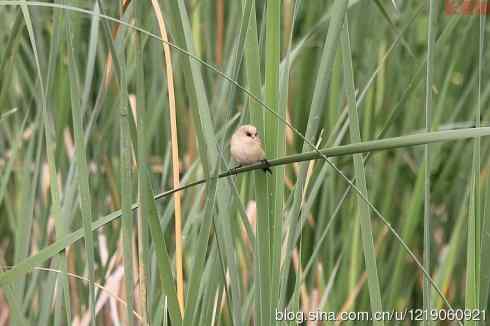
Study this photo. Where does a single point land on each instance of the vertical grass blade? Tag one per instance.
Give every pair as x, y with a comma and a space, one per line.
483, 206
85, 200
473, 262
61, 222
161, 252
270, 229
126, 192
19, 292
485, 258
196, 277
257, 118
427, 157
143, 235
477, 157
364, 210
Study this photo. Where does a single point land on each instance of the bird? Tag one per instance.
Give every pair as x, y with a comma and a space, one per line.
246, 147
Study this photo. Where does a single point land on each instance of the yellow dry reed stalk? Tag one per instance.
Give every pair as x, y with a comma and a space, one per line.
175, 156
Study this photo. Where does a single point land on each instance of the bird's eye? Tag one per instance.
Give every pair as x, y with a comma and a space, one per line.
249, 134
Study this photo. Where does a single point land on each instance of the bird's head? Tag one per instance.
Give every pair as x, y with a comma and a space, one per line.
249, 133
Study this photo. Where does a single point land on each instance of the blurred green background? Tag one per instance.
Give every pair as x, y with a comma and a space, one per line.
86, 142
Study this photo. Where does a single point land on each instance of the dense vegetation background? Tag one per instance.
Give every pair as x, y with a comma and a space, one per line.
99, 114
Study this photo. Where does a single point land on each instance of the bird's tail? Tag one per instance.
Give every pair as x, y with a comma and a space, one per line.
267, 167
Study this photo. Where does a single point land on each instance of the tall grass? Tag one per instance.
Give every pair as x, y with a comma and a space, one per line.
431, 30
119, 203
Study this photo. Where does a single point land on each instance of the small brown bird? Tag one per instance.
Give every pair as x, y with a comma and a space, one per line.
246, 147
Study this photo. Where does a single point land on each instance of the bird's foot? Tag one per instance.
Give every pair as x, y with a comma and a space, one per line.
236, 168
267, 167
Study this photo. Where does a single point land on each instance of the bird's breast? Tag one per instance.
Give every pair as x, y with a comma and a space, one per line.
247, 153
